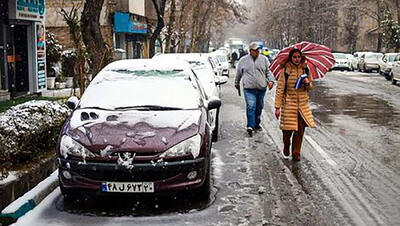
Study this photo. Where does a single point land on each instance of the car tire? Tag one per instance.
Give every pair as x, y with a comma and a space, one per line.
69, 194
205, 189
215, 132
390, 76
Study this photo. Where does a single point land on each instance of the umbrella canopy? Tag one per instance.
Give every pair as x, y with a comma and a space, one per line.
319, 59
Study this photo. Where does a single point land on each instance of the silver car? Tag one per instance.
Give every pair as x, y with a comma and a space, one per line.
369, 62
386, 65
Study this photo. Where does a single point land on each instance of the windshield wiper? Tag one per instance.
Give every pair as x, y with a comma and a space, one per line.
148, 108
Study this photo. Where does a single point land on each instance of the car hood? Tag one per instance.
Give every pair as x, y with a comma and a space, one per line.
138, 131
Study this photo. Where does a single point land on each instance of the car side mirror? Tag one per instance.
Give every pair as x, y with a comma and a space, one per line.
72, 102
214, 103
221, 80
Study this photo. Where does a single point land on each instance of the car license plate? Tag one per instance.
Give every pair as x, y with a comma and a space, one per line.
128, 187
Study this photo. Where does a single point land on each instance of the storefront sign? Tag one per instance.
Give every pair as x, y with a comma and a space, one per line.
33, 10
124, 23
40, 56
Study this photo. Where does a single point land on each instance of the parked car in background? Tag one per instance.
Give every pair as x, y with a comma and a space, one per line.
369, 62
395, 74
222, 61
215, 65
355, 60
341, 62
386, 64
349, 60
141, 127
205, 74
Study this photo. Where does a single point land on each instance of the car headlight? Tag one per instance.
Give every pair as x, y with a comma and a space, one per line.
69, 146
189, 146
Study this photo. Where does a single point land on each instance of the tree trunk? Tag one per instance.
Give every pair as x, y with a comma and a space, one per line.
91, 35
182, 27
195, 27
398, 10
171, 25
160, 8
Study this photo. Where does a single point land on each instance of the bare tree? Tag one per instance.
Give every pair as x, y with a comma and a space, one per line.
170, 26
99, 52
72, 18
159, 6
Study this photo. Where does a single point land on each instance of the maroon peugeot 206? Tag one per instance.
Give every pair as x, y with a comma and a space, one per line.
142, 126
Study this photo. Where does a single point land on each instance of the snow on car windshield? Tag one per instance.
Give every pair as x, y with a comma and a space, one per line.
124, 88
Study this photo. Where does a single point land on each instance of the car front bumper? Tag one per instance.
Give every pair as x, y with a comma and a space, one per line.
166, 176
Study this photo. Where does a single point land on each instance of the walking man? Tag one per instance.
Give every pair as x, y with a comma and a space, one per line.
253, 70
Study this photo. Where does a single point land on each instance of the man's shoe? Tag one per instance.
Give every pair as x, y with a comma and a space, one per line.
258, 128
250, 131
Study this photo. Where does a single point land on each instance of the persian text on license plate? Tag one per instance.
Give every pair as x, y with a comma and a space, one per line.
128, 187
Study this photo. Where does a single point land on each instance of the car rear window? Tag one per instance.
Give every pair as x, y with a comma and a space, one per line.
373, 57
340, 56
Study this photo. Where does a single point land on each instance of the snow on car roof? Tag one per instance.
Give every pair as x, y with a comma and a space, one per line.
141, 82
149, 64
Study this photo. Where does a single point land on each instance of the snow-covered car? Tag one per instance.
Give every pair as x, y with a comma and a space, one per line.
354, 61
349, 60
395, 74
141, 126
386, 64
369, 62
214, 64
210, 82
223, 63
341, 62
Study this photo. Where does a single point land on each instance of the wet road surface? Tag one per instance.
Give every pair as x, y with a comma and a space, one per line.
349, 173
350, 165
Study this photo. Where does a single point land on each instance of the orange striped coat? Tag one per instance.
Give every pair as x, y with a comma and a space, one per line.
293, 101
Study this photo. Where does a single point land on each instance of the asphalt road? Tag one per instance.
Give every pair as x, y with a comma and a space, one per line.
349, 173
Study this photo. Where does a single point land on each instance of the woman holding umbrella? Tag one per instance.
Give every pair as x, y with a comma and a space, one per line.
295, 68
293, 100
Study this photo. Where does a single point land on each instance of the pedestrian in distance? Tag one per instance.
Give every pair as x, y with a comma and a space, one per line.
234, 58
292, 102
253, 71
242, 53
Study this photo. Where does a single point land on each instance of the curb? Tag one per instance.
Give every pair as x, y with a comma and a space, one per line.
29, 200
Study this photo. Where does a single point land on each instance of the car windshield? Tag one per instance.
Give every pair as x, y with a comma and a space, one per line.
133, 89
340, 56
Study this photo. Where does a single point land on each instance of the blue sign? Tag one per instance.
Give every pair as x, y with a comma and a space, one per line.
30, 9
124, 23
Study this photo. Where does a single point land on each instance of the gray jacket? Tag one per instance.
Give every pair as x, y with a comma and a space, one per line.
255, 73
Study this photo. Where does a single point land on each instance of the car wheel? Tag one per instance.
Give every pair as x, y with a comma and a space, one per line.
215, 133
389, 76
205, 188
69, 194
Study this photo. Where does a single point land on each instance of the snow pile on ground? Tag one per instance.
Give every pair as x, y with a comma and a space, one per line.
29, 129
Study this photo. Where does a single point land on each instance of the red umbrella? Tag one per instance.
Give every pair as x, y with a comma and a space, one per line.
319, 59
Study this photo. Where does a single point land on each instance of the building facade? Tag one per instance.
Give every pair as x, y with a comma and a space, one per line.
123, 25
22, 47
